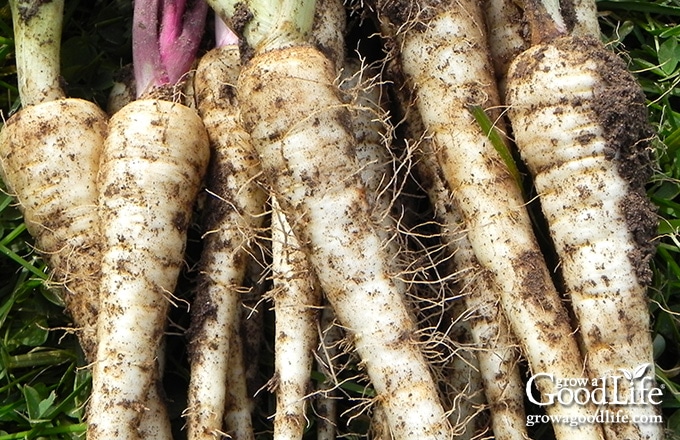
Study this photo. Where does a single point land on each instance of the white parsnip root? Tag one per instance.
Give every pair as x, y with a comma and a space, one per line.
152, 166
296, 291
234, 212
297, 301
49, 156
302, 133
492, 341
306, 155
495, 346
580, 123
507, 33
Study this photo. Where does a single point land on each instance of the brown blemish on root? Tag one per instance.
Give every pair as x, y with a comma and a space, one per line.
227, 92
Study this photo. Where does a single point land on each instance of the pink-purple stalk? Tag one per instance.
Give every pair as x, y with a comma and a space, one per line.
165, 38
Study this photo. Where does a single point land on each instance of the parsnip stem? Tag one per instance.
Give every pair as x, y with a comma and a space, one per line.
37, 41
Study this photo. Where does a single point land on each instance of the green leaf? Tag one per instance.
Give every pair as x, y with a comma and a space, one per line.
47, 403
668, 190
17, 258
81, 393
40, 358
33, 334
642, 64
672, 141
671, 389
674, 422
52, 296
668, 55
32, 398
668, 227
670, 32
498, 142
622, 31
658, 345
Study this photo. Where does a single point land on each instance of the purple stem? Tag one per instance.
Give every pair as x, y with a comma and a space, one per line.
164, 49
171, 24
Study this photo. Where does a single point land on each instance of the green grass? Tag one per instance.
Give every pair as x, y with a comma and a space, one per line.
42, 383
41, 387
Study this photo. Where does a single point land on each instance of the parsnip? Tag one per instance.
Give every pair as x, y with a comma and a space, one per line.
362, 85
443, 52
507, 35
238, 406
153, 162
49, 156
152, 166
580, 123
495, 346
328, 30
301, 131
493, 343
296, 292
297, 300
234, 213
346, 252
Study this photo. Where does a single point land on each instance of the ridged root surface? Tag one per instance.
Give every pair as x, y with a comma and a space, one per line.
49, 157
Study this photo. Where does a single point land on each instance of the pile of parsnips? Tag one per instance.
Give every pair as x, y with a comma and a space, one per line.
305, 168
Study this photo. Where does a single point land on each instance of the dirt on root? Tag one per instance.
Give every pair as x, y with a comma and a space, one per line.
30, 10
568, 10
618, 104
620, 107
241, 17
642, 222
